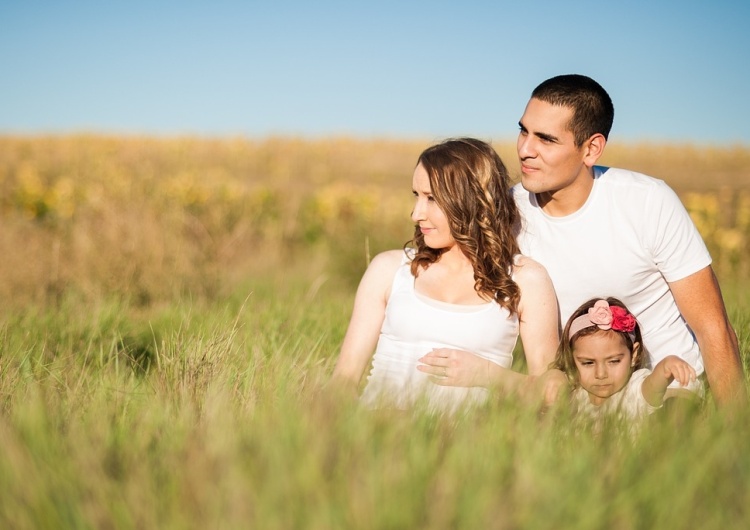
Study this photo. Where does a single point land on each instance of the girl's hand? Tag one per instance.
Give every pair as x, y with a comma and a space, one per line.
674, 367
456, 368
547, 389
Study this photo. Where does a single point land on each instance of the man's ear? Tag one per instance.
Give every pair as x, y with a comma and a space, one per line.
594, 148
636, 354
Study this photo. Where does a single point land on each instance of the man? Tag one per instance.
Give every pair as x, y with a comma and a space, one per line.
611, 232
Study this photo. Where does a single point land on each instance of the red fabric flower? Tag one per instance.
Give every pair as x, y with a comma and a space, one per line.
622, 320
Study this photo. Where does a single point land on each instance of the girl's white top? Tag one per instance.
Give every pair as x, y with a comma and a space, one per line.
628, 405
413, 326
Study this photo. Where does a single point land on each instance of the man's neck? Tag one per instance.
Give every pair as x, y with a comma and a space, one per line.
567, 200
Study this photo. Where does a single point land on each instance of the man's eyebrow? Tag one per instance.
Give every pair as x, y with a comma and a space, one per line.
543, 136
547, 137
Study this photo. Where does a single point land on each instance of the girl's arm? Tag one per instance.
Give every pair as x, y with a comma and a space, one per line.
667, 370
367, 319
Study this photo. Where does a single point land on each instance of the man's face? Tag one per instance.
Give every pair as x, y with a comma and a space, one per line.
550, 160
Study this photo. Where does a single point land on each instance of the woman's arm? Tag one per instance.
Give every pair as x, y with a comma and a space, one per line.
667, 370
537, 314
540, 333
451, 367
367, 319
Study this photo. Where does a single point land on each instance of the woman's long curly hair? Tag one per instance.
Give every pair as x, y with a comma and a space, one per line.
471, 186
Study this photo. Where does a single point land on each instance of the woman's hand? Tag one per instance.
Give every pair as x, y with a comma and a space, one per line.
456, 368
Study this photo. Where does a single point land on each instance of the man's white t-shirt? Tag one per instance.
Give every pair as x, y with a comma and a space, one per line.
630, 238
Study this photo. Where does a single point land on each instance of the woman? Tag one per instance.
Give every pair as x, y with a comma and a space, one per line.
460, 283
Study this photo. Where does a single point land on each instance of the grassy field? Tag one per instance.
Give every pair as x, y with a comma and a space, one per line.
173, 309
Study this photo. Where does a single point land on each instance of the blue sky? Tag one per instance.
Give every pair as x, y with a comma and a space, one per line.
677, 71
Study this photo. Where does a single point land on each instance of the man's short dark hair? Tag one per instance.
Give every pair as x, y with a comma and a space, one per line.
593, 112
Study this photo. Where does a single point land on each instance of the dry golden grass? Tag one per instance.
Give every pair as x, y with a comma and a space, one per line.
685, 167
154, 219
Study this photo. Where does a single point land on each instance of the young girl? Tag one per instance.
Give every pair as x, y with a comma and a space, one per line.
461, 284
603, 356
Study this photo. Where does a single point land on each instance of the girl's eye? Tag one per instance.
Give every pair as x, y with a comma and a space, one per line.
615, 361
431, 198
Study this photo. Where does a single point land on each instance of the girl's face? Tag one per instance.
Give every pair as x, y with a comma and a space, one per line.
604, 364
432, 221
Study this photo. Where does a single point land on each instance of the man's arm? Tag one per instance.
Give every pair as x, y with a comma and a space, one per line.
699, 300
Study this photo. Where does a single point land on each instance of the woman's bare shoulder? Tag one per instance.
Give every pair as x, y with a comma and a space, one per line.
383, 266
525, 268
378, 278
531, 277
388, 259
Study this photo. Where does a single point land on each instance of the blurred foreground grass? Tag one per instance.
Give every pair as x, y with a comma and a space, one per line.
172, 311
216, 415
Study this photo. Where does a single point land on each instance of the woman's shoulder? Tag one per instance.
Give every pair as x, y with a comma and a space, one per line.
387, 262
390, 258
381, 271
533, 280
526, 268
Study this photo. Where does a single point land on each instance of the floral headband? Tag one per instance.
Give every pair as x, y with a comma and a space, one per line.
605, 316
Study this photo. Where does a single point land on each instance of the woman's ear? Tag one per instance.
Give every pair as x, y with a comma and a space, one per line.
636, 354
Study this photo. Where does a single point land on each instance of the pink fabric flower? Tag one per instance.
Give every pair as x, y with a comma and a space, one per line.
601, 314
621, 319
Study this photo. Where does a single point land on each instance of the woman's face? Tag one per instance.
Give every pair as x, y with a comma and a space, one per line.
432, 221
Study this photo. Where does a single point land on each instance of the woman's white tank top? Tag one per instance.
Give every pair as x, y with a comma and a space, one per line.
413, 326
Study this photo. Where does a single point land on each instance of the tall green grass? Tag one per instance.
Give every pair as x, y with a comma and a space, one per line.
217, 415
